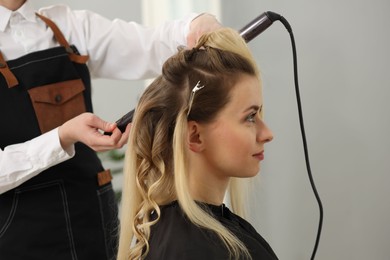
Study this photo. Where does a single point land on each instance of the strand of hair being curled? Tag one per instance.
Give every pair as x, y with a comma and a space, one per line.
148, 162
156, 163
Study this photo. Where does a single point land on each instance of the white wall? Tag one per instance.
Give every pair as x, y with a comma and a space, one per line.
343, 60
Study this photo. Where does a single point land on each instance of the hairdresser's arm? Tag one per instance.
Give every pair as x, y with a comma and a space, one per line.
122, 49
21, 162
127, 50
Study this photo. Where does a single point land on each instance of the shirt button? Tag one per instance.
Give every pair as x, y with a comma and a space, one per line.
58, 98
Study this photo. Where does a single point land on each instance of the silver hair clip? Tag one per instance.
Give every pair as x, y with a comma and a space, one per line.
196, 88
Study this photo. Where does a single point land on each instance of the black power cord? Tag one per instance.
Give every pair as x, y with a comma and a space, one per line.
249, 32
321, 211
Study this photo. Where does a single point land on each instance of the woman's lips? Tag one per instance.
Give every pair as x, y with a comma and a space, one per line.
259, 156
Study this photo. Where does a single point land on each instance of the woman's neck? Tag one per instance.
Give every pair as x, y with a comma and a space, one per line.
12, 4
206, 188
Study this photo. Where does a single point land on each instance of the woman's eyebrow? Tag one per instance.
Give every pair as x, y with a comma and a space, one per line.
254, 107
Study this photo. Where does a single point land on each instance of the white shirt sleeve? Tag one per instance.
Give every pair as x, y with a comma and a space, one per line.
21, 162
120, 49
117, 49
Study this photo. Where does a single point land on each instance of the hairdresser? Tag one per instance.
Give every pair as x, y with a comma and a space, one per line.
56, 199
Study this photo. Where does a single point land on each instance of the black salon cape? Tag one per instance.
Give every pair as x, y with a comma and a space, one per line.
175, 237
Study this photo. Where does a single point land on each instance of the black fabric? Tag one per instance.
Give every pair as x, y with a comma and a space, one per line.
62, 213
34, 70
175, 237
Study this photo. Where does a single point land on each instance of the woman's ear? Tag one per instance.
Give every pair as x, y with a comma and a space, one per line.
195, 143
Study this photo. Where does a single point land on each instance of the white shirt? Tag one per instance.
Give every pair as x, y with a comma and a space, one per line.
117, 49
20, 162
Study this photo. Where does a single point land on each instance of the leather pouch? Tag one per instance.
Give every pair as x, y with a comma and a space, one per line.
56, 103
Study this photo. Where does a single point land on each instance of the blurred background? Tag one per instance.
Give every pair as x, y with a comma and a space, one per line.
343, 67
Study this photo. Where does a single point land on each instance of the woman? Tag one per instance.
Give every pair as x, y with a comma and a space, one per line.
187, 146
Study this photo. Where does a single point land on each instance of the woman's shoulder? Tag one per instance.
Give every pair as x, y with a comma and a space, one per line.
251, 238
174, 223
175, 237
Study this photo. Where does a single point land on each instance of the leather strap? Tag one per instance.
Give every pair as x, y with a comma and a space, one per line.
10, 77
61, 39
104, 177
7, 73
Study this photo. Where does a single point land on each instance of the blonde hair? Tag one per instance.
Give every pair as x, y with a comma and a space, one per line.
156, 163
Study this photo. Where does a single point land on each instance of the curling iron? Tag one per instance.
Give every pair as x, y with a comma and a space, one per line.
248, 32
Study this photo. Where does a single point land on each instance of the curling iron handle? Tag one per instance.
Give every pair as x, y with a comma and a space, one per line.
124, 121
255, 27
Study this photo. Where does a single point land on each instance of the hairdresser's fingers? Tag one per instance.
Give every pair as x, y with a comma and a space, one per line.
125, 135
201, 24
88, 129
116, 140
104, 126
104, 142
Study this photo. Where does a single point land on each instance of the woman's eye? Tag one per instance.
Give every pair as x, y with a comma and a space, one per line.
252, 117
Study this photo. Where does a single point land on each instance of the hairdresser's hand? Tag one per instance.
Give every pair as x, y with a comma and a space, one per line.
85, 128
201, 24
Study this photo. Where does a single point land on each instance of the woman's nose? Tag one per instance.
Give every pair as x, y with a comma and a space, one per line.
265, 134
